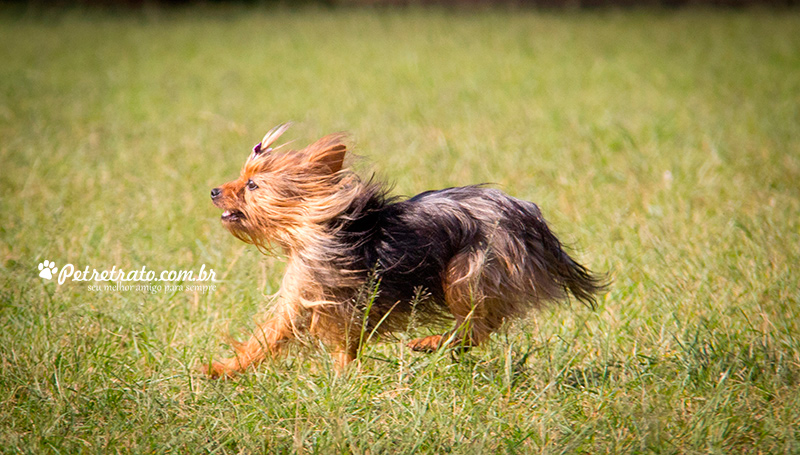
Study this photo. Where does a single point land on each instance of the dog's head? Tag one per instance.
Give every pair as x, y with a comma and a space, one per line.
279, 196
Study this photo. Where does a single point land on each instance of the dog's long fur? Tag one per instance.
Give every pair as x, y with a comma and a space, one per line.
362, 261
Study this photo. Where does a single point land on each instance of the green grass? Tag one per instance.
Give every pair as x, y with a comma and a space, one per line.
663, 145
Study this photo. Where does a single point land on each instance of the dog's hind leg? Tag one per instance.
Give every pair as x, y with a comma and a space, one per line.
470, 331
467, 301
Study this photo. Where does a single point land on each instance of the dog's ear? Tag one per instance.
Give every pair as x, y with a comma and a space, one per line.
263, 147
327, 153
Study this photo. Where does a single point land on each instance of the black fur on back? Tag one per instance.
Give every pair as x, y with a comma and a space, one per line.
407, 246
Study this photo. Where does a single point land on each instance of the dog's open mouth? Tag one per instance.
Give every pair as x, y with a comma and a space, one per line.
232, 215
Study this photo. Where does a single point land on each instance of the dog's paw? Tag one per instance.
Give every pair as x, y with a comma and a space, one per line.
427, 344
214, 370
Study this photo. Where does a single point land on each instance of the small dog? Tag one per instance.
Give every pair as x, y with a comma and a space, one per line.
361, 262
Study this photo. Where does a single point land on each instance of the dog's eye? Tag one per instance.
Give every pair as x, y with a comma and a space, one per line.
251, 185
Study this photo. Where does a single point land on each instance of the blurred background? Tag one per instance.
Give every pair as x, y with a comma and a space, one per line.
452, 3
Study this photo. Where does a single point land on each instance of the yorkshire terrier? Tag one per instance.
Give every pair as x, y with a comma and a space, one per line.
362, 262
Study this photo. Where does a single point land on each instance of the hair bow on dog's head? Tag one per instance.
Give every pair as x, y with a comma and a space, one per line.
271, 136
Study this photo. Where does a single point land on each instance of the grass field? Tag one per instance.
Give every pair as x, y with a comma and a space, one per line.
664, 146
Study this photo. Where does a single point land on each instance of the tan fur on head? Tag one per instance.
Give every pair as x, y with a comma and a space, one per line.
282, 198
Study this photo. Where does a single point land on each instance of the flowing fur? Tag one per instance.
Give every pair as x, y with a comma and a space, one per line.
360, 261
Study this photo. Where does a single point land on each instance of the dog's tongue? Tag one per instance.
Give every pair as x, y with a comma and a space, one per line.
232, 215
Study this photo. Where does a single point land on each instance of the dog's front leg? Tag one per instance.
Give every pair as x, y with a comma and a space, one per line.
267, 339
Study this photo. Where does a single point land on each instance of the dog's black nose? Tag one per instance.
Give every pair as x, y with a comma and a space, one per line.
215, 192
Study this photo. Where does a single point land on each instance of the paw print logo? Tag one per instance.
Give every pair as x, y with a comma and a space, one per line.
47, 269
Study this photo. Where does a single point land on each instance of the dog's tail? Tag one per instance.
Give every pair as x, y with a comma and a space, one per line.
567, 273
